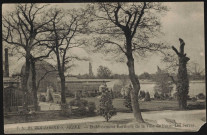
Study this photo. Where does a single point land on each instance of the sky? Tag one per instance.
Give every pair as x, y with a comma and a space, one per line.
183, 20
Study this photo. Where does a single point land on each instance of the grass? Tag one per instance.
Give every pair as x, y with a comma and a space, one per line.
153, 105
40, 116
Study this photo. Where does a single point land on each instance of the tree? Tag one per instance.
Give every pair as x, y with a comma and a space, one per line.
66, 27
23, 28
106, 108
145, 75
163, 85
182, 83
125, 29
128, 102
195, 71
103, 72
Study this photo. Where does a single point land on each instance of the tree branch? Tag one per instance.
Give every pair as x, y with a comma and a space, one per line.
38, 83
176, 51
172, 78
139, 19
182, 44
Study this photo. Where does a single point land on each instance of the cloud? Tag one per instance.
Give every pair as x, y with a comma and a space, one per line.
184, 20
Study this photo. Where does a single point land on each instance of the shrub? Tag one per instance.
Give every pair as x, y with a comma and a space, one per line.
81, 104
65, 110
91, 107
194, 99
196, 106
106, 108
162, 96
156, 95
81, 110
42, 98
147, 97
117, 94
141, 94
78, 102
188, 97
201, 96
163, 85
127, 102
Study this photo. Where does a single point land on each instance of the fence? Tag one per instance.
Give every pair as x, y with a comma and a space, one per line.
13, 97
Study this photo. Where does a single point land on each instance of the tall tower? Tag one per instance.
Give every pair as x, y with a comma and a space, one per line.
6, 64
90, 70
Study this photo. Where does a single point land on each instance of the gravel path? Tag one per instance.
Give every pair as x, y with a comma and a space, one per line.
184, 121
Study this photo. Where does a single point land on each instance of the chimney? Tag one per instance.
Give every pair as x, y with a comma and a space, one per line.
90, 70
6, 63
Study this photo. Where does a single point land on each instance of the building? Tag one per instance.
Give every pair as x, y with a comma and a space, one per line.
86, 87
12, 93
46, 75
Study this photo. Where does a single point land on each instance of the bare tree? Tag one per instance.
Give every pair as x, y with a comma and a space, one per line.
23, 28
35, 85
195, 70
65, 31
126, 28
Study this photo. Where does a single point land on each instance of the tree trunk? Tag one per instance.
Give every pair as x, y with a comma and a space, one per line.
24, 82
182, 85
34, 86
135, 90
62, 79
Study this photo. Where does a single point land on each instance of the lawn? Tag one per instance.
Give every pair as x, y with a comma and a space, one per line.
153, 105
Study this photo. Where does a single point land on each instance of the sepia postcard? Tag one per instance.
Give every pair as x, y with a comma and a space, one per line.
103, 67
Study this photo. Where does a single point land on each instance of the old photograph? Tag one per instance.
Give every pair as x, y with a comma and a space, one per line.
103, 67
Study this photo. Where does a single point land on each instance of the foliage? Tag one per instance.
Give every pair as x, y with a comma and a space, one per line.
91, 107
163, 85
201, 96
198, 105
182, 83
106, 108
142, 94
162, 96
195, 71
175, 95
65, 110
147, 97
78, 102
193, 99
103, 72
68, 93
127, 102
156, 95
117, 94
81, 104
23, 30
42, 98
145, 75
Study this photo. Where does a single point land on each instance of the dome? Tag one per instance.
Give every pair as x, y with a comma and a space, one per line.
43, 77
40, 65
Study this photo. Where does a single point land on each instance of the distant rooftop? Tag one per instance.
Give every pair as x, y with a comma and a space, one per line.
87, 80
